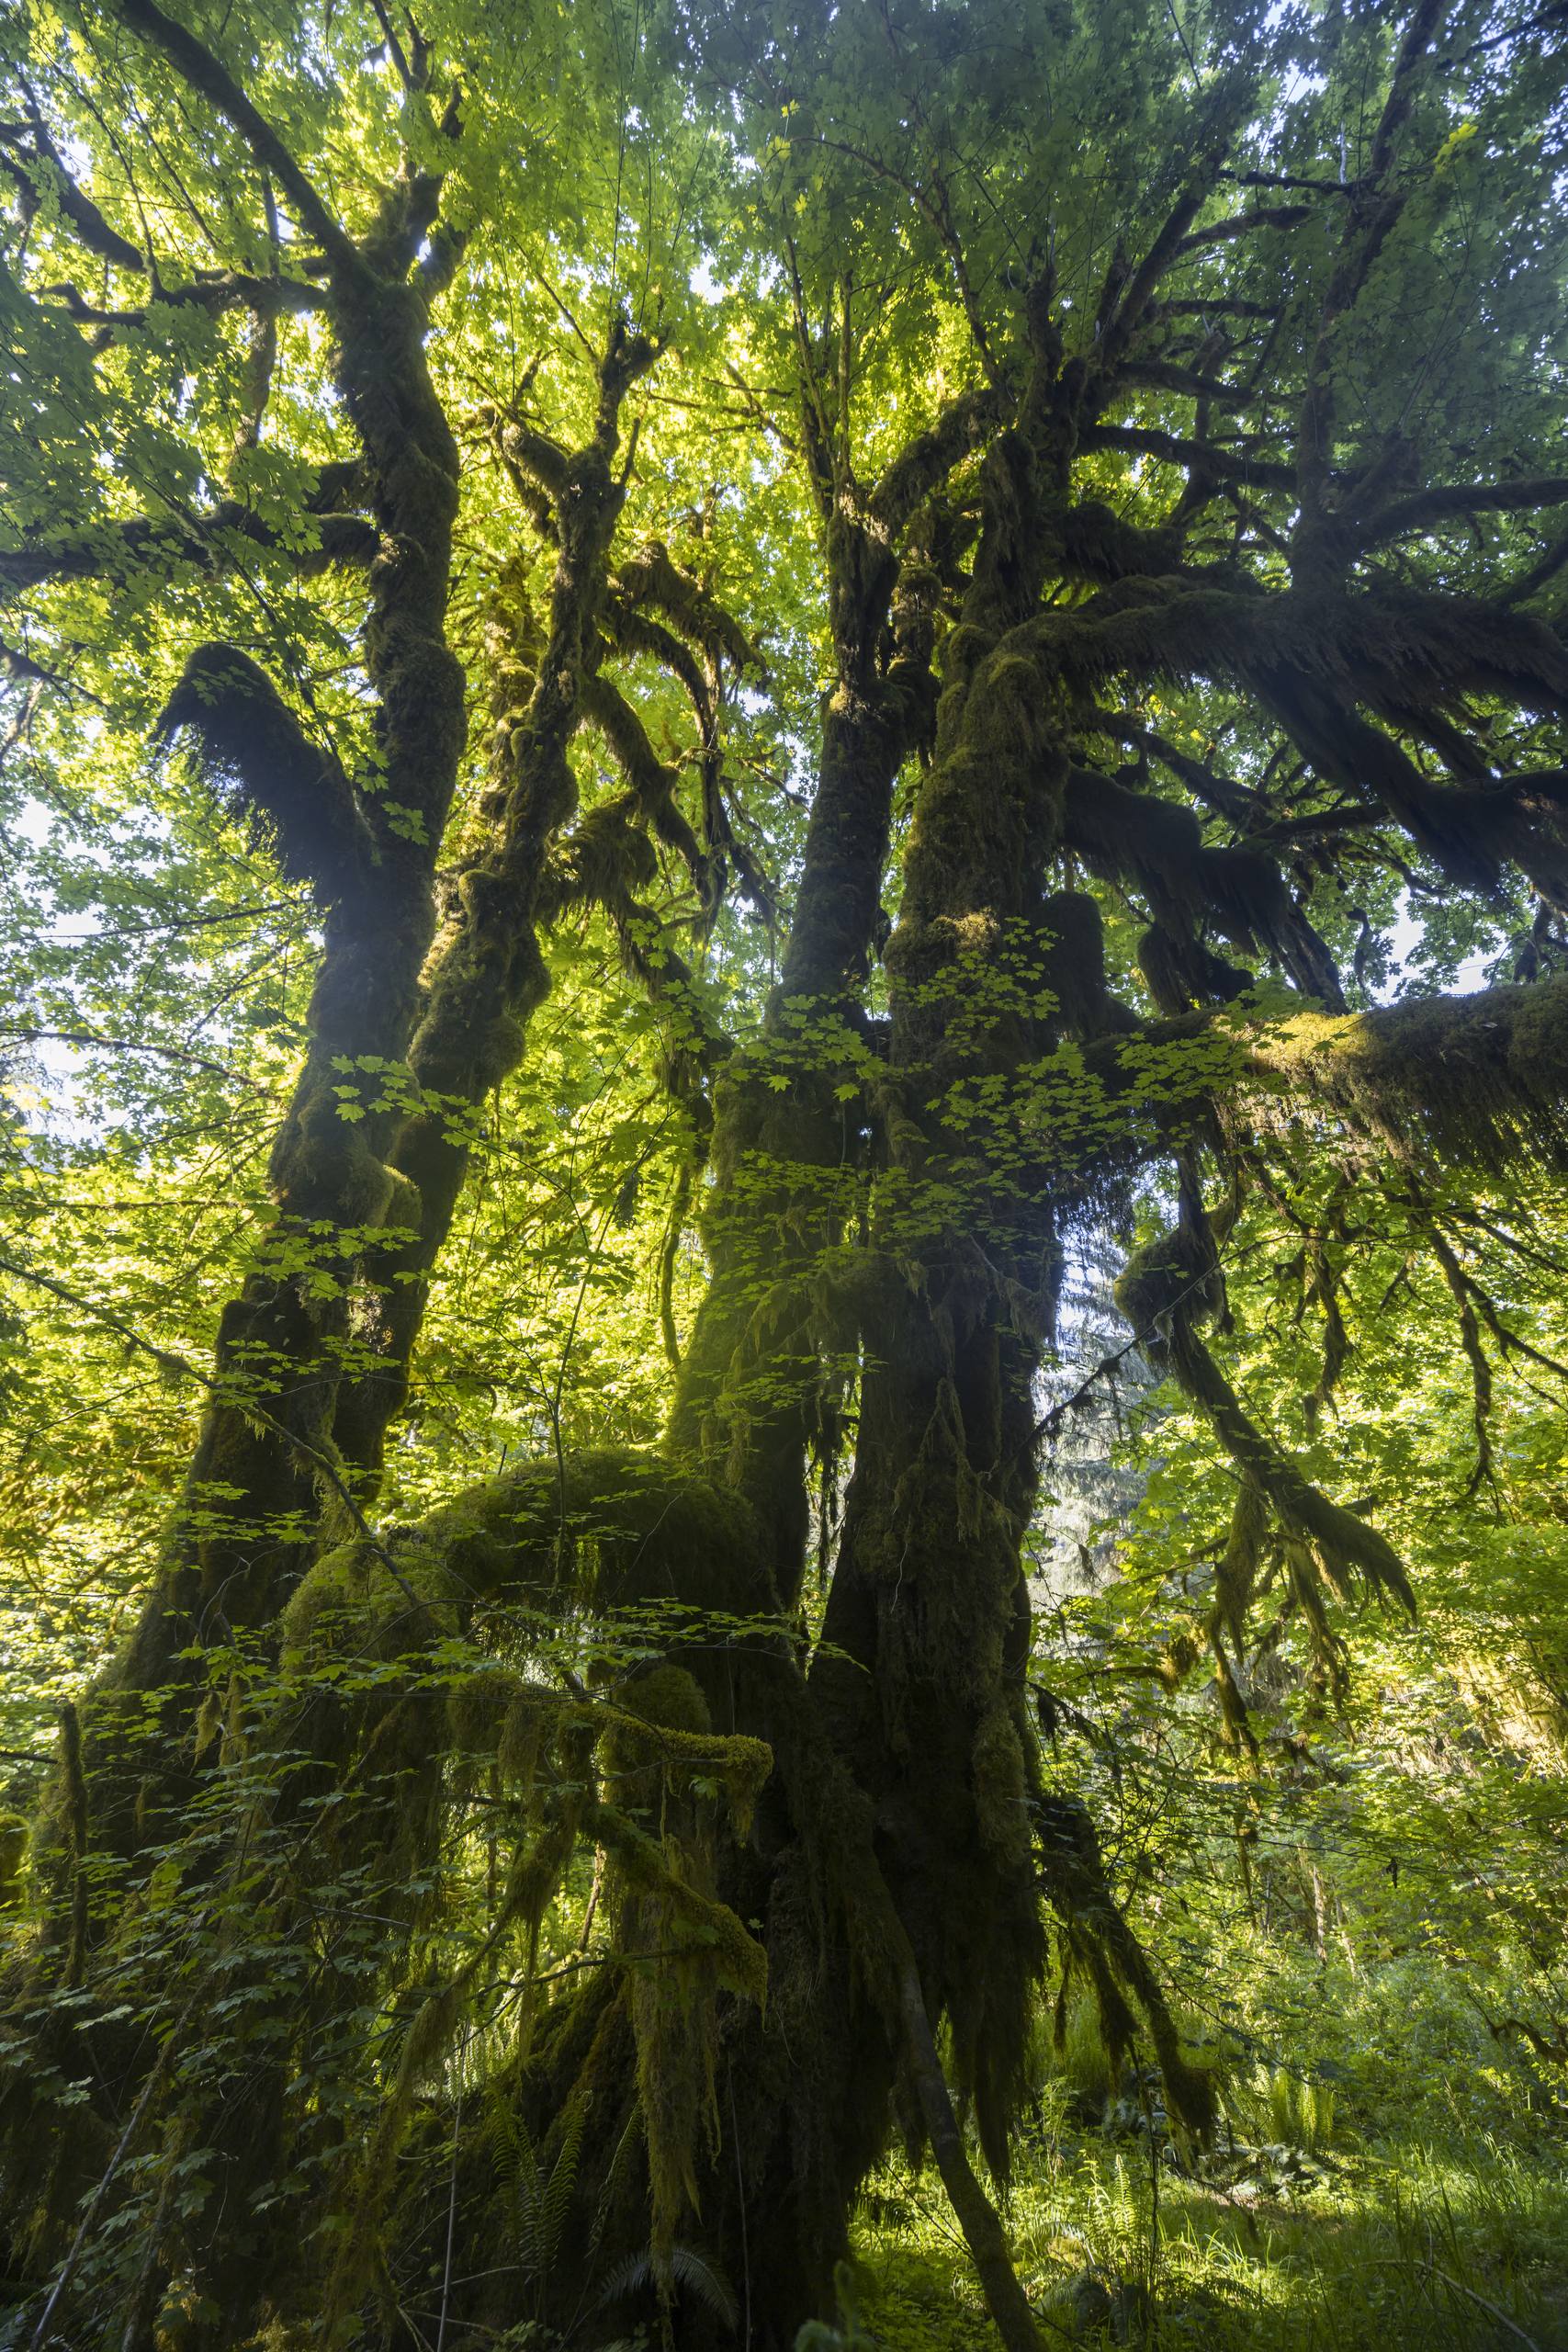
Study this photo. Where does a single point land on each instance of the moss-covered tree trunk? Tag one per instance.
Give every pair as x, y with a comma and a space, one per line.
268, 1461
815, 1878
912, 1816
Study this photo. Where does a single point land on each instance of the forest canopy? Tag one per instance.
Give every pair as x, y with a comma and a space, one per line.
782, 1079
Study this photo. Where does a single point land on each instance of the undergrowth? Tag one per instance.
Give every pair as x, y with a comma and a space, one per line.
1409, 2193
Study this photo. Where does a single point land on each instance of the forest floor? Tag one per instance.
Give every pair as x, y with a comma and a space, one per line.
1398, 2247
1410, 2196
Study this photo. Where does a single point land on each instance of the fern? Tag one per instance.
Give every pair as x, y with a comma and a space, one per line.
625, 2145
541, 2200
517, 2167
686, 2270
555, 2202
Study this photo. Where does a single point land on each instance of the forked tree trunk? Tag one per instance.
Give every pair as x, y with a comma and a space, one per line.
892, 1866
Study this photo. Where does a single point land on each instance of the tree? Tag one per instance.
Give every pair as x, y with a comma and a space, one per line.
1142, 537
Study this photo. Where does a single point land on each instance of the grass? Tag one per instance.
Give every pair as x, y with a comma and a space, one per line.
1404, 2250
1342, 2219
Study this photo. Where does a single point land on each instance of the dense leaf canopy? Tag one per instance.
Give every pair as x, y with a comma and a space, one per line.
784, 897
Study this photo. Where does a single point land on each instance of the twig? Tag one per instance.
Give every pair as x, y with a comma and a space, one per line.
31, 1036
1486, 2304
67, 2269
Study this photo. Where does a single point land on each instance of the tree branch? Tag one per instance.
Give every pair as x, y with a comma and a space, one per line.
1459, 498
76, 205
1196, 456
201, 70
1238, 224
108, 550
921, 467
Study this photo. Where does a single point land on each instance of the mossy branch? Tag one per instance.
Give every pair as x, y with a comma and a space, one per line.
1163, 1291
1472, 1081
924, 465
1097, 1936
652, 781
652, 577
250, 747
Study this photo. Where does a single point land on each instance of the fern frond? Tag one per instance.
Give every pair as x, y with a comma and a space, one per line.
686, 2270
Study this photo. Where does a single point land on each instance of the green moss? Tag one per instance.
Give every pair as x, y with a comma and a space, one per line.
1476, 1079
12, 1856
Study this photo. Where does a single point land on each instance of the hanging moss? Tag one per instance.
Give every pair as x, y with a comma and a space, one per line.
252, 750
1236, 1576
1099, 1938
1072, 935
1181, 972
662, 1731
702, 1951
1165, 1291
602, 1531
653, 577
13, 1856
1133, 836
1476, 1079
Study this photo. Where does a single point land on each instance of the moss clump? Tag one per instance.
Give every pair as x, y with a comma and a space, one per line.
606, 1530
253, 749
1476, 1079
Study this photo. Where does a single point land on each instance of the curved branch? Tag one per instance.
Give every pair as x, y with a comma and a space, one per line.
1165, 1291
1426, 506
1240, 225
1197, 457
652, 577
651, 780
252, 745
95, 232
634, 632
231, 289
925, 465
1166, 248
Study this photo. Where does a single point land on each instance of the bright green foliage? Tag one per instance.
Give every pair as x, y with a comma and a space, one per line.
784, 1015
